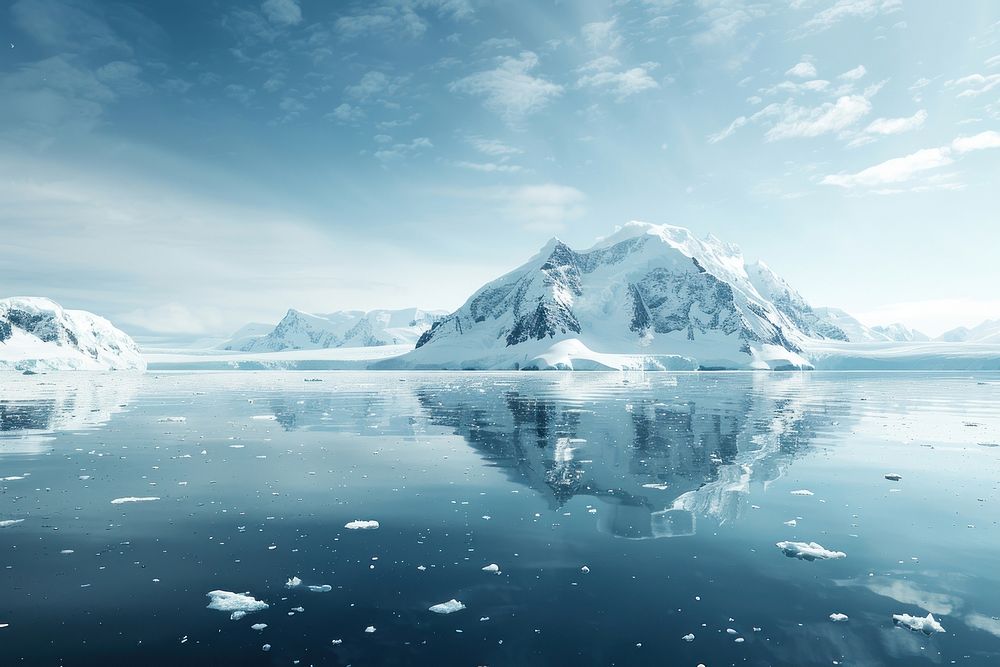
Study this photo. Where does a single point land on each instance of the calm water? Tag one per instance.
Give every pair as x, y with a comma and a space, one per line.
624, 512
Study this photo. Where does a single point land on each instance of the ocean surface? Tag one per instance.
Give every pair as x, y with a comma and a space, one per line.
632, 518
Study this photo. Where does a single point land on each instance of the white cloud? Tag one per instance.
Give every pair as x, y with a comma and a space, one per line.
601, 35
993, 62
975, 85
282, 12
401, 150
345, 113
490, 167
846, 9
509, 89
173, 318
897, 125
796, 121
600, 73
728, 131
981, 141
803, 70
724, 19
493, 147
903, 169
854, 74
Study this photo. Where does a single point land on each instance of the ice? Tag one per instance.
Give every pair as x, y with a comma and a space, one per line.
925, 624
808, 551
9, 522
791, 522
133, 499
293, 582
837, 617
370, 629
239, 604
325, 588
585, 569
893, 477
361, 524
492, 567
258, 626
802, 492
689, 637
265, 418
449, 607
172, 420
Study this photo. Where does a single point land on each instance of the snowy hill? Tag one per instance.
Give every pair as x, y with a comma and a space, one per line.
38, 334
649, 296
299, 330
987, 332
246, 335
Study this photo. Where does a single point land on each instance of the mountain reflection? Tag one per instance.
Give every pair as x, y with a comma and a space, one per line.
657, 456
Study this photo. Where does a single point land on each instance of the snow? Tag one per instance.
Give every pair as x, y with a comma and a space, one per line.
340, 358
293, 582
925, 624
837, 617
808, 551
10, 522
258, 626
449, 607
899, 356
37, 334
239, 604
133, 499
361, 524
802, 492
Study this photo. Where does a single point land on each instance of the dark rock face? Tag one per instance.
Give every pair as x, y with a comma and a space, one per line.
44, 327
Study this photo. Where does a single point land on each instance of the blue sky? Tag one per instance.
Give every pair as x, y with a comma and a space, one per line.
185, 167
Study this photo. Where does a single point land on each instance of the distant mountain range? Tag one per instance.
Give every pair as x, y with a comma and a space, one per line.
648, 296
299, 330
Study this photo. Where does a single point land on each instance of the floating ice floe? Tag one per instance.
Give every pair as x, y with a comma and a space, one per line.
925, 624
325, 588
449, 607
792, 523
370, 629
808, 551
837, 617
172, 420
658, 487
585, 569
361, 524
689, 637
10, 522
265, 418
492, 567
893, 477
258, 626
238, 604
133, 499
802, 492
293, 582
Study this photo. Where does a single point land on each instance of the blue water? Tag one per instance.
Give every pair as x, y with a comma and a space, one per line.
671, 489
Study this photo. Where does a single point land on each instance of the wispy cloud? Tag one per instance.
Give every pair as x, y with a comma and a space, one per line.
510, 90
606, 73
843, 10
905, 169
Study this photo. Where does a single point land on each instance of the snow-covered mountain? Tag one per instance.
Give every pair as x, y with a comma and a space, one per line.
986, 332
850, 325
650, 296
901, 333
299, 330
38, 334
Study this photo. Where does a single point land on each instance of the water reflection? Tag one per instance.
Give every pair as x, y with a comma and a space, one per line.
34, 408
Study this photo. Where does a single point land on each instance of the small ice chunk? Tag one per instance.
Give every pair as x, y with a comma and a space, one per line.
585, 569
172, 420
802, 492
370, 629
792, 523
10, 522
361, 524
492, 567
293, 582
449, 607
335, 642
265, 418
325, 588
837, 617
258, 626
133, 499
925, 624
808, 551
658, 487
237, 615
265, 647
893, 477
689, 637
242, 603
